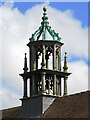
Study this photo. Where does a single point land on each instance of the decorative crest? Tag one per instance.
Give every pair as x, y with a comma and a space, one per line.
43, 29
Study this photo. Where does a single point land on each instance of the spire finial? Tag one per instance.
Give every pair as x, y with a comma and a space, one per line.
25, 64
25, 55
44, 24
65, 63
44, 9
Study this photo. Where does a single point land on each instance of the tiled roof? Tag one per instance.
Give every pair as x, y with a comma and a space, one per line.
14, 112
71, 106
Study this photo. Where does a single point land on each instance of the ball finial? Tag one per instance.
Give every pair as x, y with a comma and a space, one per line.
65, 53
25, 54
44, 9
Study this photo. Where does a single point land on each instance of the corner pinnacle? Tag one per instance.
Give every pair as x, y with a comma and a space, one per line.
25, 64
65, 63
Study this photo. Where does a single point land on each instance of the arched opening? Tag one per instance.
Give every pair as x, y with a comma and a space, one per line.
38, 58
47, 84
49, 60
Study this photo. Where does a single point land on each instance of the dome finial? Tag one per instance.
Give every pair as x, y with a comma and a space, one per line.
44, 9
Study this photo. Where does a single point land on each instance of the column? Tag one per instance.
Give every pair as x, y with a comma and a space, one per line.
59, 60
30, 87
43, 81
37, 61
49, 86
30, 63
43, 57
33, 85
54, 85
59, 67
59, 87
47, 65
25, 87
54, 57
56, 62
65, 85
32, 58
39, 86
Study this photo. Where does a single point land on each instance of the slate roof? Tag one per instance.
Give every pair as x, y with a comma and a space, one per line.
71, 106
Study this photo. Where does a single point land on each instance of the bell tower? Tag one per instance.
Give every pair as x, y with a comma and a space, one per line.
45, 81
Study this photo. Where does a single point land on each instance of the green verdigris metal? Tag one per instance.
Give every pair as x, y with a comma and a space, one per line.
43, 30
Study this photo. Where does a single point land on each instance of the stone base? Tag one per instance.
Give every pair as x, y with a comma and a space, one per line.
33, 107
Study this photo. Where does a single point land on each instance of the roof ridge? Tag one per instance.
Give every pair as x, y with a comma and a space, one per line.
72, 94
10, 108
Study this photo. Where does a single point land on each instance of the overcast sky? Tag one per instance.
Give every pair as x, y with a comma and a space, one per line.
18, 21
